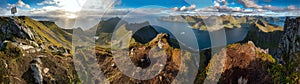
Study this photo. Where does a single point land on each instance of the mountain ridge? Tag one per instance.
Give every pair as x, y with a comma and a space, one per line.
34, 52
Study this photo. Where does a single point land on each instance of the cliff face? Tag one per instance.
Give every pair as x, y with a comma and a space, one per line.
288, 50
289, 47
266, 40
290, 41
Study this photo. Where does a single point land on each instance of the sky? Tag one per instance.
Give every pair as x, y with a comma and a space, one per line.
66, 10
76, 5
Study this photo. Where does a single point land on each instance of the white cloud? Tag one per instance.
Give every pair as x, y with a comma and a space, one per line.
273, 8
27, 6
292, 7
64, 12
63, 8
260, 10
221, 5
20, 3
248, 10
250, 4
47, 2
175, 9
10, 5
268, 6
78, 5
279, 9
224, 2
69, 8
192, 7
216, 4
237, 9
3, 11
183, 8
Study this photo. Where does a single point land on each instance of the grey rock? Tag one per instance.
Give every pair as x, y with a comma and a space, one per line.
37, 70
289, 43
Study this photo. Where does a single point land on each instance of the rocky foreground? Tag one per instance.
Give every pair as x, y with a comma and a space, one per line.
243, 62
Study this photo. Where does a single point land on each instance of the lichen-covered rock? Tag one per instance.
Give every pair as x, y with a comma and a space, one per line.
37, 70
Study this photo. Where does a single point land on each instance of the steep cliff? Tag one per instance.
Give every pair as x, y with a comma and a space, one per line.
289, 42
289, 49
267, 40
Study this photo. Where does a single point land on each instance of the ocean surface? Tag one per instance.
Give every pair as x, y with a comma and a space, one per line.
193, 38
204, 39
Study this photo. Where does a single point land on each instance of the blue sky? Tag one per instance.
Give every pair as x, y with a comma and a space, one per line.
67, 7
125, 3
141, 3
166, 3
204, 3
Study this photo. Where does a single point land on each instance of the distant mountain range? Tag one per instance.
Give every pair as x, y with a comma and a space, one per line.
226, 21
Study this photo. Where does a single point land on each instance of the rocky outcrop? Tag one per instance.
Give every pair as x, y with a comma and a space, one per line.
145, 34
11, 28
37, 70
290, 41
241, 63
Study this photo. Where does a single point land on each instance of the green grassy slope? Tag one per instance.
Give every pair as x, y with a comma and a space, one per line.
49, 33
